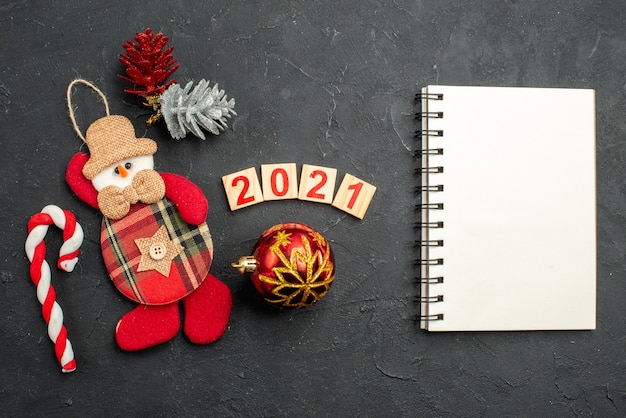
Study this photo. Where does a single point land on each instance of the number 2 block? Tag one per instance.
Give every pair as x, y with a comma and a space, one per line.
279, 181
354, 196
242, 188
317, 184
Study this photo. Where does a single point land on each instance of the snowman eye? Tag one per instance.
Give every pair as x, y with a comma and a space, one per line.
127, 166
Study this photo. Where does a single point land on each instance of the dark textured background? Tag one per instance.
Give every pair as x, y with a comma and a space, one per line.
326, 83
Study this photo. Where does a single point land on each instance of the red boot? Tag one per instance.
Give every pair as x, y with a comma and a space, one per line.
207, 310
147, 326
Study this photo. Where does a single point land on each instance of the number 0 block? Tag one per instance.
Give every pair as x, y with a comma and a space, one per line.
280, 181
242, 188
317, 184
354, 196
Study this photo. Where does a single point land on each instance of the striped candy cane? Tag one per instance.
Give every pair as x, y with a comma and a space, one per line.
40, 273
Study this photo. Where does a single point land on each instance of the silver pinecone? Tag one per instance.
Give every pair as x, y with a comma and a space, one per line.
186, 110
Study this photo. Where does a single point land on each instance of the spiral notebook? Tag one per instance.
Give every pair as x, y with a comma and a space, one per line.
508, 212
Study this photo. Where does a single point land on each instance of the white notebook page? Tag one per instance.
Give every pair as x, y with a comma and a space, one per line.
519, 209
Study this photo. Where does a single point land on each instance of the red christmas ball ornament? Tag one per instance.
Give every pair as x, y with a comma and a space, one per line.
292, 266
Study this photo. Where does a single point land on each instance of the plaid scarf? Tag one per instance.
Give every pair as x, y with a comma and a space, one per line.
121, 254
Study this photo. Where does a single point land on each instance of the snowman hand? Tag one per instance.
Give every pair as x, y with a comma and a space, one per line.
187, 197
78, 182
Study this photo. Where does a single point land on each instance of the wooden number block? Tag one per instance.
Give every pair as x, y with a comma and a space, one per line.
317, 184
354, 196
242, 188
280, 181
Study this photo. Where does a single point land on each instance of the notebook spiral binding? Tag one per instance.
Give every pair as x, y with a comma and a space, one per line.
429, 191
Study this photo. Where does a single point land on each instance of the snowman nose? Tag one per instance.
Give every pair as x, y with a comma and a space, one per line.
122, 170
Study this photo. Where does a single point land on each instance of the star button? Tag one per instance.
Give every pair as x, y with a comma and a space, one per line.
157, 252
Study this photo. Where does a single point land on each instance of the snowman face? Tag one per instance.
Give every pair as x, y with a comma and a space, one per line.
121, 174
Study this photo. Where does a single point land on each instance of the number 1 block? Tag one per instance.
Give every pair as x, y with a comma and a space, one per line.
354, 196
242, 188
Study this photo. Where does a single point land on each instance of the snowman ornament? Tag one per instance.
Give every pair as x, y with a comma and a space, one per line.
155, 242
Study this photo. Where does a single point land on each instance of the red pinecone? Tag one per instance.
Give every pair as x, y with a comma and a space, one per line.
147, 64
